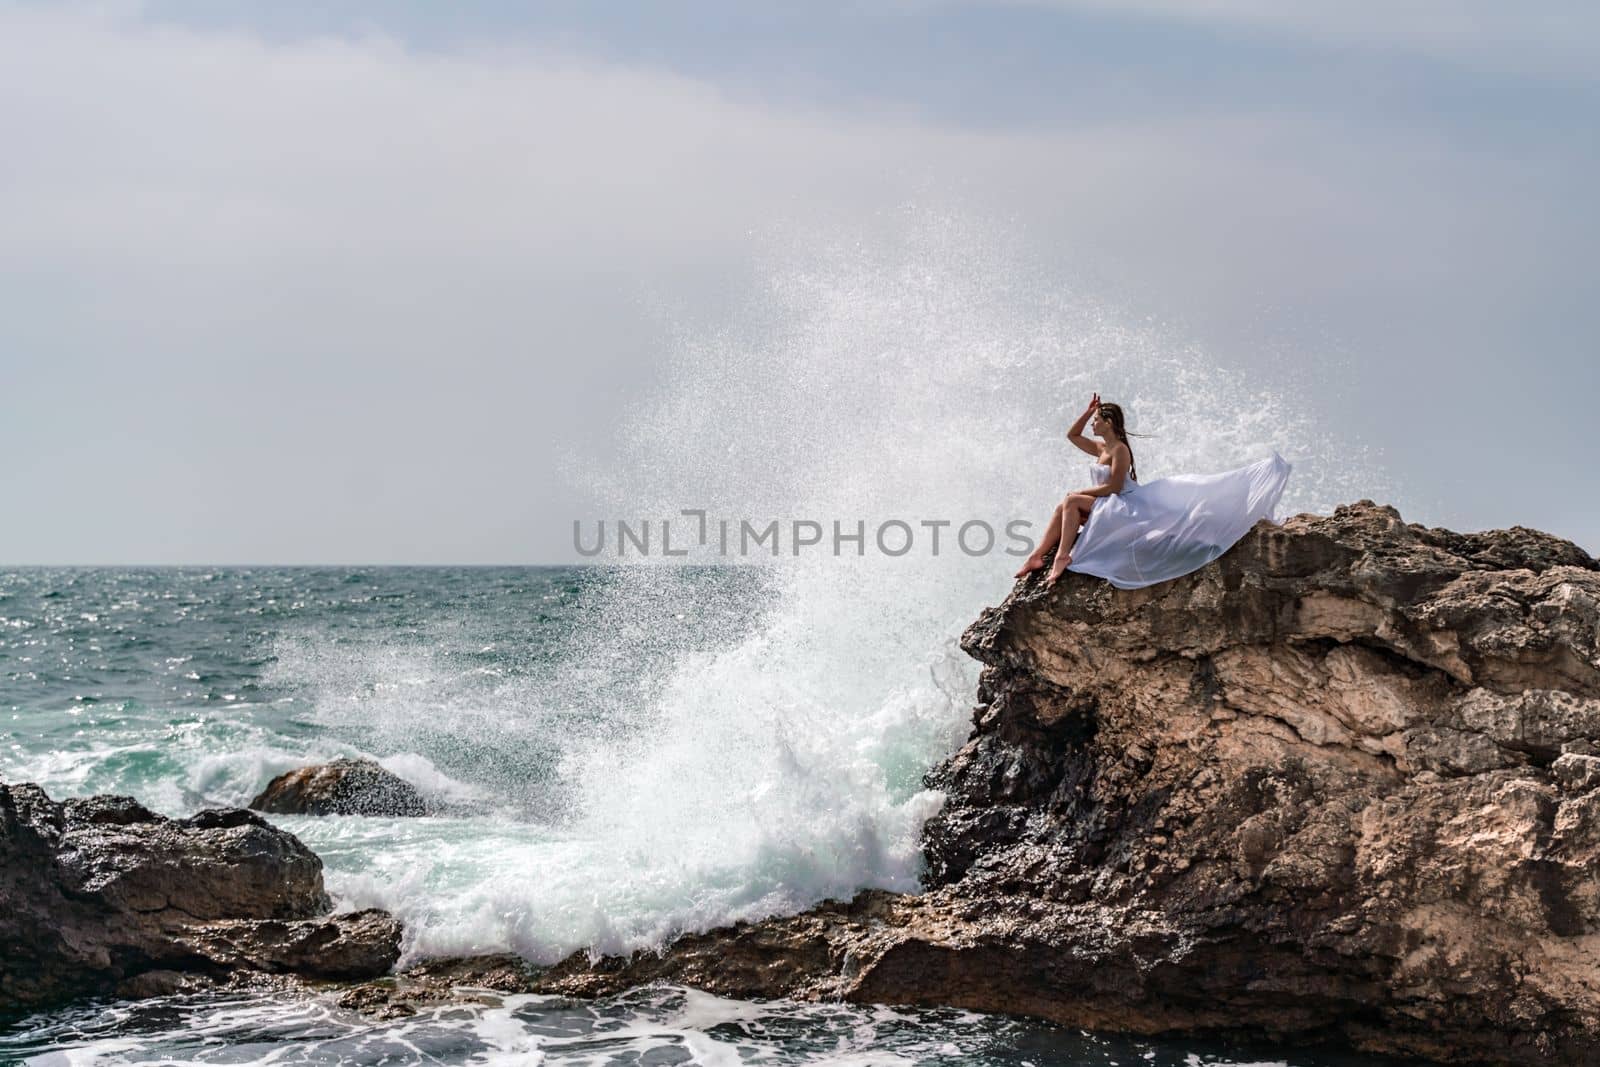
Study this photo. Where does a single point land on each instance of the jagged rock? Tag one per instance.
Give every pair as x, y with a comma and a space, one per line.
340, 787
101, 895
1342, 783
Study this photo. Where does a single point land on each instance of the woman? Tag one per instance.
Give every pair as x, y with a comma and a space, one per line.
1137, 535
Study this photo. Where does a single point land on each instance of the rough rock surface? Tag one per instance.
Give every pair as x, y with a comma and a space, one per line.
1342, 783
340, 787
101, 895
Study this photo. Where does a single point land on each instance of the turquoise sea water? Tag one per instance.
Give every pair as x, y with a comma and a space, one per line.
618, 754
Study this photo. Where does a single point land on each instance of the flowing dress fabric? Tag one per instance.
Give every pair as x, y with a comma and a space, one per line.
1152, 533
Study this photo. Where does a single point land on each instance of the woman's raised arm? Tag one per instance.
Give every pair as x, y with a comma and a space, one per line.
1075, 435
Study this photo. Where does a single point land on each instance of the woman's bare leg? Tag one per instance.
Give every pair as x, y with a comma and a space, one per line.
1075, 512
1052, 537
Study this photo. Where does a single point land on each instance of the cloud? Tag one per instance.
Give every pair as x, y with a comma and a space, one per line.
341, 298
1550, 40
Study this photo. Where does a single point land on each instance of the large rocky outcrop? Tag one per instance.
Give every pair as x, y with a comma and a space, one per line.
101, 895
1342, 783
341, 787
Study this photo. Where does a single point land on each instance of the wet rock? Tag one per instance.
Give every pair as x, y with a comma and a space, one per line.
341, 946
341, 787
1341, 784
101, 895
440, 981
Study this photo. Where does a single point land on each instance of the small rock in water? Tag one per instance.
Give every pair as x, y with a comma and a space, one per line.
341, 787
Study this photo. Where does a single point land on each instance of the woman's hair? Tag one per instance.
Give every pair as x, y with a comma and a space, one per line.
1113, 414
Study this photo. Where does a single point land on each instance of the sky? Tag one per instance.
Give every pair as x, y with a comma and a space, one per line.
304, 283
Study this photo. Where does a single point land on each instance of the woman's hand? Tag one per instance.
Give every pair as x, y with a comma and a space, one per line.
1075, 431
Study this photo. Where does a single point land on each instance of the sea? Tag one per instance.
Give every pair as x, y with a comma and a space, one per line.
590, 798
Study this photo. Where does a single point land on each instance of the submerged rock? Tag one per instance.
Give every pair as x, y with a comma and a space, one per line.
101, 895
341, 787
1342, 783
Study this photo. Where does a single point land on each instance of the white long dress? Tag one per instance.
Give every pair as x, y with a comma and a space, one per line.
1152, 533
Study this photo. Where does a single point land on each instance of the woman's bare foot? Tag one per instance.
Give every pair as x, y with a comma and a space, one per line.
1032, 564
1061, 565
